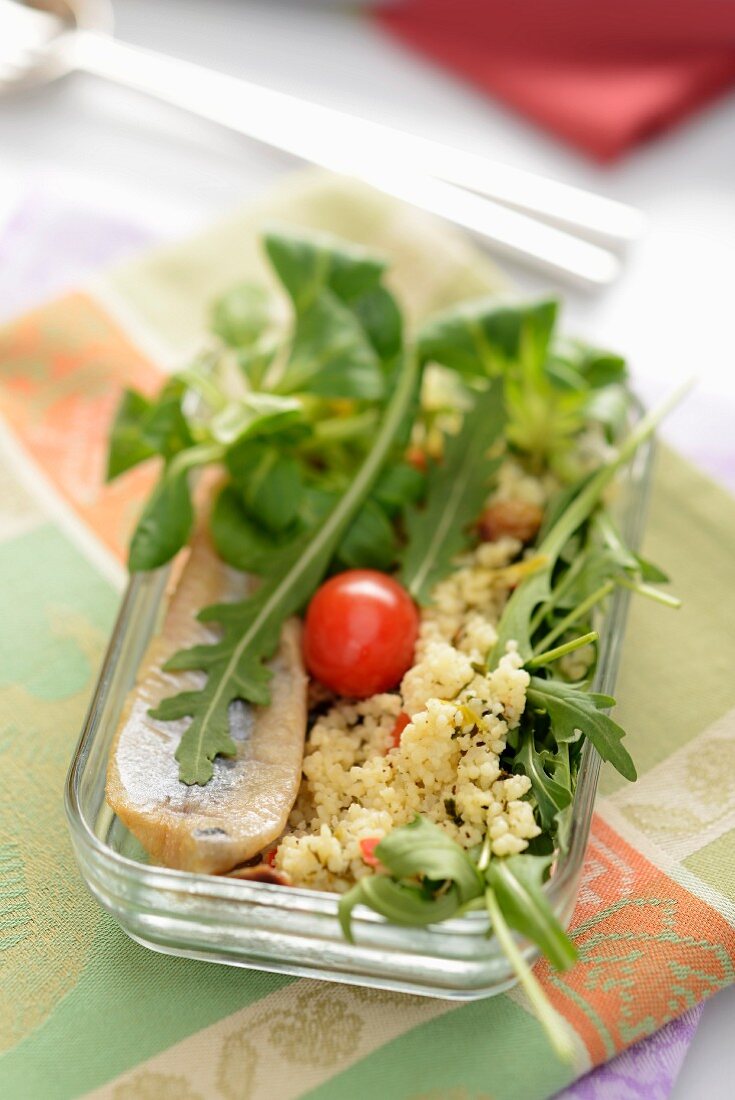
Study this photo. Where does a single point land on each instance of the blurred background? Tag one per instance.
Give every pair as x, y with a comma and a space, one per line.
634, 100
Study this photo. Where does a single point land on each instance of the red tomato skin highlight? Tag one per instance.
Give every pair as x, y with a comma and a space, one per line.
360, 633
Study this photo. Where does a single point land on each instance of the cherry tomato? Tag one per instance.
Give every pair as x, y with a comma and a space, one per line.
360, 633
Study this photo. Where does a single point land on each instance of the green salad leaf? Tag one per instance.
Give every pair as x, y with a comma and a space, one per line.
166, 522
553, 792
309, 408
517, 882
574, 711
456, 490
344, 319
236, 665
515, 622
242, 315
430, 878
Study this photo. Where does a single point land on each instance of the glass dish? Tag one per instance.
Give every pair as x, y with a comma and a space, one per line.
293, 930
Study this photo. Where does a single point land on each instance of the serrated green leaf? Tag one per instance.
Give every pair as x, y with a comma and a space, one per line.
552, 796
481, 338
579, 504
456, 491
573, 710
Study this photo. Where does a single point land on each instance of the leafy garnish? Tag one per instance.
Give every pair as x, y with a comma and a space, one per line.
235, 665
430, 878
418, 851
552, 387
573, 711
242, 315
556, 1029
553, 792
457, 488
517, 884
515, 622
333, 351
143, 428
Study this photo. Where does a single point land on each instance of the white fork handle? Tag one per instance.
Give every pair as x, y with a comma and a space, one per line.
389, 161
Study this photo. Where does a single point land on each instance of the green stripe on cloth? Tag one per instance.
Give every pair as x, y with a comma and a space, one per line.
81, 1003
677, 676
486, 1050
89, 1006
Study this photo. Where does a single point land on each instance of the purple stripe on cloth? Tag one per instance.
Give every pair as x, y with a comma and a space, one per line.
645, 1071
51, 244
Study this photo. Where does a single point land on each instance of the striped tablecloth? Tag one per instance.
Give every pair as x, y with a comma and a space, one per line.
84, 1010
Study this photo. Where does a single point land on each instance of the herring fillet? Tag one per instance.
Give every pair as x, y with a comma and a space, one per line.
246, 803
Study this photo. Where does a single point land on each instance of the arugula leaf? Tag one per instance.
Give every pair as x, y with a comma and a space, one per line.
235, 665
552, 797
456, 491
556, 1029
420, 850
535, 589
650, 572
242, 315
573, 710
481, 338
517, 882
397, 902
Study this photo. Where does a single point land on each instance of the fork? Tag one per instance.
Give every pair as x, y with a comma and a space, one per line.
510, 207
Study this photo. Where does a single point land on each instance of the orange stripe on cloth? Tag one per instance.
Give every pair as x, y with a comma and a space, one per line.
62, 369
648, 949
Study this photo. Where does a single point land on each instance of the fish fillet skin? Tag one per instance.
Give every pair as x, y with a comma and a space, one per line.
247, 802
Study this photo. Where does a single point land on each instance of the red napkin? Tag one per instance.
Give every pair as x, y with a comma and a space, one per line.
602, 74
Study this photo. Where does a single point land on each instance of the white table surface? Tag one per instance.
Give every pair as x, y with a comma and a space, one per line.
671, 313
